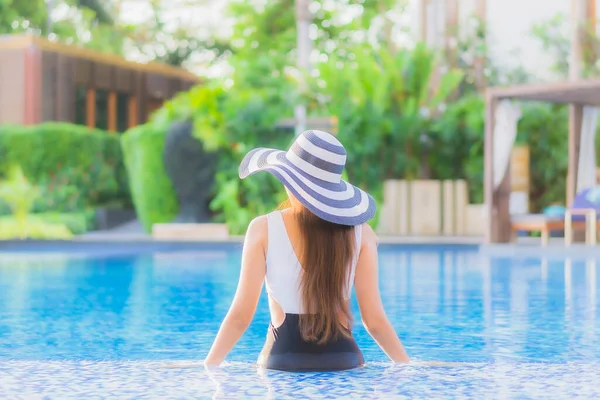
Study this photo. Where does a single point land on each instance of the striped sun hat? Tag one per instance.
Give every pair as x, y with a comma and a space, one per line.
312, 170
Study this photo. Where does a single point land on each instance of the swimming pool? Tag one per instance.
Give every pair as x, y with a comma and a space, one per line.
131, 324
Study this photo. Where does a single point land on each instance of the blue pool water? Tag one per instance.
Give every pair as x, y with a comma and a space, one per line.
135, 324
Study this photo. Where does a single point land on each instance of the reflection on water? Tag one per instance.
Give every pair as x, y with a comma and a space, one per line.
447, 304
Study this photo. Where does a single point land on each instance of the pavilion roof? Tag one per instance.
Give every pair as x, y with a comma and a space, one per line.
584, 92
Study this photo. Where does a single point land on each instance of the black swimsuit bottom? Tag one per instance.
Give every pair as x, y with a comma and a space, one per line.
285, 350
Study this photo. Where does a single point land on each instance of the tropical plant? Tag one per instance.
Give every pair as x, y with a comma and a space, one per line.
20, 195
203, 105
394, 108
251, 121
544, 128
460, 144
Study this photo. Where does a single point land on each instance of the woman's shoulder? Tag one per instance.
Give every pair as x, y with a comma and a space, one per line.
256, 235
368, 235
258, 229
258, 225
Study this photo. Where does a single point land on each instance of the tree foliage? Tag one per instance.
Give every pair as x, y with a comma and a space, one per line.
82, 22
395, 108
99, 25
553, 36
101, 13
18, 16
33, 15
158, 38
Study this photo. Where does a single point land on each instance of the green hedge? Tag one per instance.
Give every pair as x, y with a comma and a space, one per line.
151, 190
76, 223
33, 228
75, 166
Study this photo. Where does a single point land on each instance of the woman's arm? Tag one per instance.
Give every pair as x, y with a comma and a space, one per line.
369, 300
244, 303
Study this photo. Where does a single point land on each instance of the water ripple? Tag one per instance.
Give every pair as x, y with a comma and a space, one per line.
188, 379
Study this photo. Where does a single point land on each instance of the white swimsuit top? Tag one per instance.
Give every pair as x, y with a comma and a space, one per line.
283, 268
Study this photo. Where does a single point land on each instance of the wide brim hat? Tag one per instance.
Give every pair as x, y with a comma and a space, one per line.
312, 170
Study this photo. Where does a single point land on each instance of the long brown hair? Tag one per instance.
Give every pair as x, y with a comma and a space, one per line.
326, 254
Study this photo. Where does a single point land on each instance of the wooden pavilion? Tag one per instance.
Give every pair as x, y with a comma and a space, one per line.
578, 94
41, 80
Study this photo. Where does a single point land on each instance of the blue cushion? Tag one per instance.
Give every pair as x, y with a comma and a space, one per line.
555, 211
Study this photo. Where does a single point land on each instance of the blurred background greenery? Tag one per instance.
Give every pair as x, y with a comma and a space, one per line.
404, 111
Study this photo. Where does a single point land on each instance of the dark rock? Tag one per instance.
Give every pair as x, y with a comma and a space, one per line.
191, 170
109, 218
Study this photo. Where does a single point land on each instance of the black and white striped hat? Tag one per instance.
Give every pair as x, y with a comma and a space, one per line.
312, 170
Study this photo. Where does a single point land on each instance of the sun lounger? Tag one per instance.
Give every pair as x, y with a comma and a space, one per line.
537, 223
580, 216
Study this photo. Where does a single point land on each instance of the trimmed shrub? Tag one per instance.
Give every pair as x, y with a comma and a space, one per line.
57, 156
151, 190
59, 197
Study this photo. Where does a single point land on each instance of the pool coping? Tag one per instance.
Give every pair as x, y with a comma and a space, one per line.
146, 242
524, 244
121, 244
112, 237
152, 243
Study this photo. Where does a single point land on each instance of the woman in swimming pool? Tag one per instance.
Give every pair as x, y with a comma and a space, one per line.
309, 254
